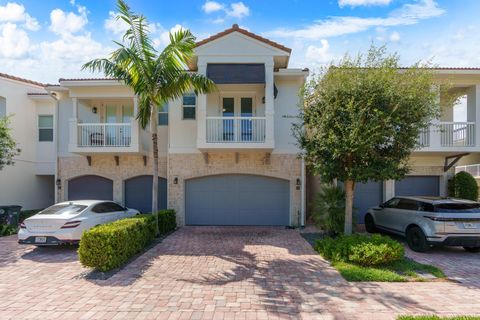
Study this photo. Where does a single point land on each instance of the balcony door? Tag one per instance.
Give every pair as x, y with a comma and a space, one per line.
117, 128
233, 110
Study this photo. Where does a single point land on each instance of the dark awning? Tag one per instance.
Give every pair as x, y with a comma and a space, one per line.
233, 73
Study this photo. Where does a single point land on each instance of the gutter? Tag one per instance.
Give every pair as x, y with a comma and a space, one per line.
55, 135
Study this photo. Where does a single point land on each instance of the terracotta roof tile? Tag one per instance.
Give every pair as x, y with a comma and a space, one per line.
85, 79
236, 28
7, 76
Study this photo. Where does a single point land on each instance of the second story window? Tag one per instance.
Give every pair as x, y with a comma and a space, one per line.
163, 115
189, 102
45, 128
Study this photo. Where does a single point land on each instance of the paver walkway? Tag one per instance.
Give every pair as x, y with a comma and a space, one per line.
216, 273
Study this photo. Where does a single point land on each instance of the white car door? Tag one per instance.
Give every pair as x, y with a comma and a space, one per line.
105, 212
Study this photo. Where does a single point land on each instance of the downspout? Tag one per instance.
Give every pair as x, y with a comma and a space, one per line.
302, 203
55, 135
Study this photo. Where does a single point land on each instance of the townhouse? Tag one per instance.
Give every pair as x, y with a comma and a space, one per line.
226, 158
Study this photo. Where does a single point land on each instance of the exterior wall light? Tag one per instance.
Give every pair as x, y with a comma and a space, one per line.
298, 184
94, 110
175, 180
58, 182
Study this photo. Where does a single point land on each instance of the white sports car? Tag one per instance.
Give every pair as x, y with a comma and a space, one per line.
63, 223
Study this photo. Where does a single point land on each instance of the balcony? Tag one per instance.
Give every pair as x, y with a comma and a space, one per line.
106, 138
448, 136
235, 130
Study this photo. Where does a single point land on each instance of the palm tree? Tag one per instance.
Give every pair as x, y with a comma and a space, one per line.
155, 77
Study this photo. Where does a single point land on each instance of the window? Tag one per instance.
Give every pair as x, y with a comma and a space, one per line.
189, 102
392, 203
45, 128
163, 115
3, 107
407, 204
107, 207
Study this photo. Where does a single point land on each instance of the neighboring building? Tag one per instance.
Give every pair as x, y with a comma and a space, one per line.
30, 181
449, 142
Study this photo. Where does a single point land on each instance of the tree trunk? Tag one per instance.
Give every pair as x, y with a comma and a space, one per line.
154, 130
349, 189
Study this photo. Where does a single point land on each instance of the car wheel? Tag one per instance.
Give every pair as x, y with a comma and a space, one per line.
370, 224
472, 249
416, 239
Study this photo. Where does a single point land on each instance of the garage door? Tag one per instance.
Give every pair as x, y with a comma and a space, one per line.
418, 186
90, 188
237, 200
367, 195
138, 193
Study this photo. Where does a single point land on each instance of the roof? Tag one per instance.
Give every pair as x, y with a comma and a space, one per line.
236, 28
7, 76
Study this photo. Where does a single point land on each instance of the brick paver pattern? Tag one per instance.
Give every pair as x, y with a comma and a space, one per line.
223, 273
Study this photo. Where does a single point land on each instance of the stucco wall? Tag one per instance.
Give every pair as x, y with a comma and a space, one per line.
187, 166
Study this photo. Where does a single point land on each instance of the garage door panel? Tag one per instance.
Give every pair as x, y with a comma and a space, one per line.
138, 193
367, 195
90, 187
237, 200
418, 186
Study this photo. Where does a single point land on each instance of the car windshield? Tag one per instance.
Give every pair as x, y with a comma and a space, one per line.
458, 207
63, 208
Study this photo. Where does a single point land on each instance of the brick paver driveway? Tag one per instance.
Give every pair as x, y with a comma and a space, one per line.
213, 273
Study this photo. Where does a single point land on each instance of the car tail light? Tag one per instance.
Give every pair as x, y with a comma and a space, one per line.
23, 226
440, 219
71, 224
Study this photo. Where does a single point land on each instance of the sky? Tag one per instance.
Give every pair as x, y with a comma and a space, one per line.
47, 40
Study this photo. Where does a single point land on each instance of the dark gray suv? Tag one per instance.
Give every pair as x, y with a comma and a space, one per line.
427, 221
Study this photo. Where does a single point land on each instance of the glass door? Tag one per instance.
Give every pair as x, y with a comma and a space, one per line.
228, 110
246, 111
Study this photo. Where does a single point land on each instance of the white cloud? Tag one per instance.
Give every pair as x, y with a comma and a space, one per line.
335, 26
238, 10
235, 10
212, 6
395, 36
15, 42
114, 25
319, 55
75, 48
14, 12
65, 23
356, 3
164, 38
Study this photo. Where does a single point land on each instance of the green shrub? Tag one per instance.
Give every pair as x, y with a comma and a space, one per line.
364, 250
329, 209
465, 186
110, 245
166, 220
451, 187
7, 230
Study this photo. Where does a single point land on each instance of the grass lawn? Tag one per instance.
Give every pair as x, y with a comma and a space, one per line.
437, 318
401, 271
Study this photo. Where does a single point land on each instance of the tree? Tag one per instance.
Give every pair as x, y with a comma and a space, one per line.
361, 118
155, 77
8, 146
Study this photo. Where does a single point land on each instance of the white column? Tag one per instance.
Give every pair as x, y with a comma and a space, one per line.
476, 98
269, 105
73, 131
388, 189
435, 134
135, 129
201, 108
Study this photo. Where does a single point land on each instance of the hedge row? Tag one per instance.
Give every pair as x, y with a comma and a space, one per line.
364, 250
111, 245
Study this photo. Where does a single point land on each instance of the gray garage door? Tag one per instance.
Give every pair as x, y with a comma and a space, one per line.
367, 195
418, 186
138, 193
90, 188
237, 200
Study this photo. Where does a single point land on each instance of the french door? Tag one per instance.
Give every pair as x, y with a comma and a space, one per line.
237, 123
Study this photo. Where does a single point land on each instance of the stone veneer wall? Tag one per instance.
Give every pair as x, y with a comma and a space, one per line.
188, 166
105, 166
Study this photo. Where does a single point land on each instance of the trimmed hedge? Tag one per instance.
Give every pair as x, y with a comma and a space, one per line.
364, 250
465, 186
111, 245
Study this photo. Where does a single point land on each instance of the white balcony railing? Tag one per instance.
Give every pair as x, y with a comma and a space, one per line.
104, 134
454, 134
235, 129
424, 138
473, 169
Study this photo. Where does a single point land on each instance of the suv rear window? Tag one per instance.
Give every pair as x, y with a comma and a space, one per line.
458, 207
63, 208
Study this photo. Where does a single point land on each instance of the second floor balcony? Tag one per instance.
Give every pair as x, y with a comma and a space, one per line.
448, 136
